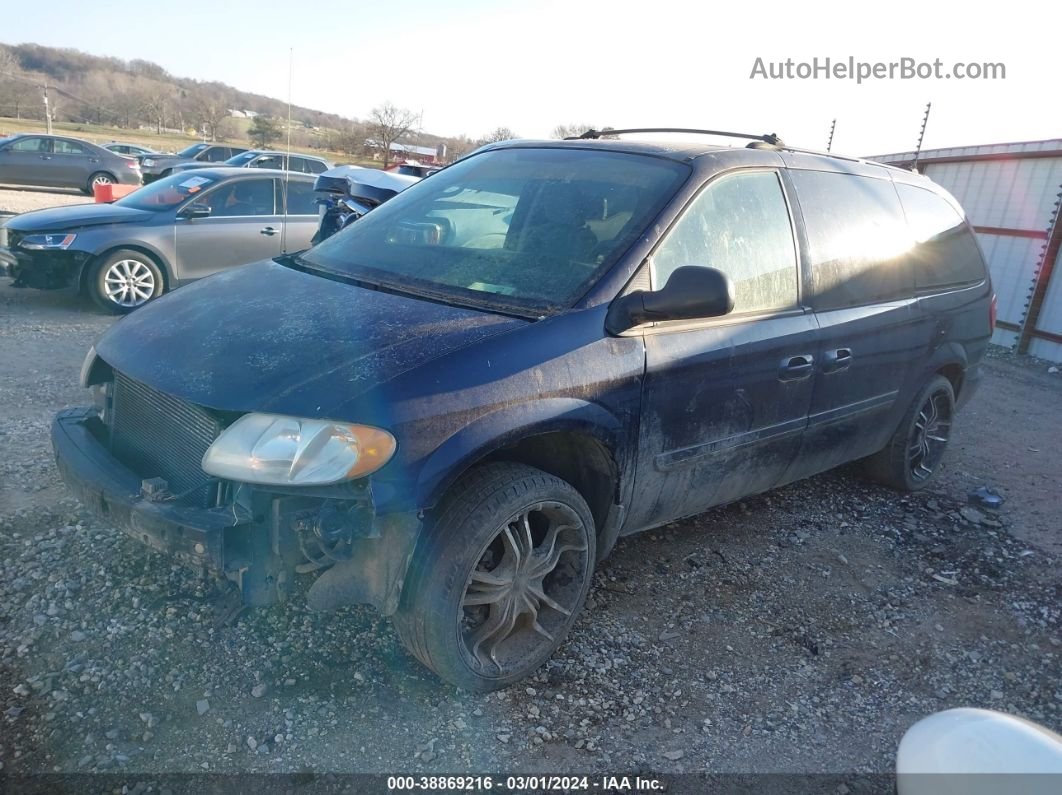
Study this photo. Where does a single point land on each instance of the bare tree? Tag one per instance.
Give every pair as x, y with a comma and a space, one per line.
15, 87
499, 134
575, 130
387, 124
156, 105
212, 115
129, 97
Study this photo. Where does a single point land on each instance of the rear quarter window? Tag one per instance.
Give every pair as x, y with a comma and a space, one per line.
857, 236
945, 253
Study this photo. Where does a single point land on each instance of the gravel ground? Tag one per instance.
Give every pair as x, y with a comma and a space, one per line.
22, 200
802, 630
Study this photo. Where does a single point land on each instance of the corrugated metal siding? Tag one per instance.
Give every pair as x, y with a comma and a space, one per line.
1016, 194
1007, 194
1050, 318
966, 151
1011, 261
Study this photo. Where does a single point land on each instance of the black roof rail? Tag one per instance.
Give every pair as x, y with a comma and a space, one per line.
820, 153
769, 138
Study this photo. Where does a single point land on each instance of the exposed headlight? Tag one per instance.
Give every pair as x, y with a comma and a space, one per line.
149, 161
59, 242
275, 450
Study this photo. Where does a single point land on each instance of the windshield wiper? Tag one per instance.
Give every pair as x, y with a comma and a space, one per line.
438, 297
301, 263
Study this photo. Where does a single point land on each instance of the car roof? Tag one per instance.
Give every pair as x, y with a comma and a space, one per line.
282, 154
227, 172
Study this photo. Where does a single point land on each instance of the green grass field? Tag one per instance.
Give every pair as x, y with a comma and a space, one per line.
170, 142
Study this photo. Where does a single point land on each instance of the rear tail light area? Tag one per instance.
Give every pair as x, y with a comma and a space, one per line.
992, 314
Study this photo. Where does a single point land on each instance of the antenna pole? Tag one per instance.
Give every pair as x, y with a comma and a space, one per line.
829, 143
921, 137
287, 156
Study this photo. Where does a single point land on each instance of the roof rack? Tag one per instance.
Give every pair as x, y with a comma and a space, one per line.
769, 138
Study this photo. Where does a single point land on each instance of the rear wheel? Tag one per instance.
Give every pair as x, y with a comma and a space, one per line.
498, 580
99, 178
125, 280
912, 457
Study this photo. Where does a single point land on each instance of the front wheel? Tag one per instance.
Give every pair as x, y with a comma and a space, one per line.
497, 582
124, 281
910, 460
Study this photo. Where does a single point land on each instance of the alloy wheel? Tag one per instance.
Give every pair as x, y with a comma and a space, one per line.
524, 587
929, 436
102, 179
129, 283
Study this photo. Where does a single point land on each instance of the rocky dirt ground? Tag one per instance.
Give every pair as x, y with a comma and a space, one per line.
802, 630
22, 200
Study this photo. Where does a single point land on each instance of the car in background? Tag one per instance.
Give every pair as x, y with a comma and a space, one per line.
162, 236
412, 169
128, 150
263, 158
55, 161
154, 166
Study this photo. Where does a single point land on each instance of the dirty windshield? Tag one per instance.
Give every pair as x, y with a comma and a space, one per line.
167, 193
524, 228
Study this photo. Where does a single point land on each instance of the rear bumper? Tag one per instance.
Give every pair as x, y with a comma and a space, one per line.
105, 486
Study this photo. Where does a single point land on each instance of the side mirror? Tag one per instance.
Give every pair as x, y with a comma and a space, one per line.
691, 292
195, 211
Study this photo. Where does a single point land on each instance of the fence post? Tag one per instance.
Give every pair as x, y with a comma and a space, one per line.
1041, 278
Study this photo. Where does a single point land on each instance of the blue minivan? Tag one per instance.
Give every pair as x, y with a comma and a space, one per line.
453, 408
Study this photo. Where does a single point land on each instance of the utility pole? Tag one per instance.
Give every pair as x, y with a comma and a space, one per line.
47, 110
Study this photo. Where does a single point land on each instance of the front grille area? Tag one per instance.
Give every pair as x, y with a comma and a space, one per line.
157, 435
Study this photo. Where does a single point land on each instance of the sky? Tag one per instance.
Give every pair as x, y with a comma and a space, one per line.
470, 66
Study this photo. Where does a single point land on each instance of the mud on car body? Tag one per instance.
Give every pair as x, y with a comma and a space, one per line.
452, 409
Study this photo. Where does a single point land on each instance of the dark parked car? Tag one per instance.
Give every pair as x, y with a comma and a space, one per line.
54, 161
454, 407
264, 158
128, 150
413, 169
154, 166
166, 234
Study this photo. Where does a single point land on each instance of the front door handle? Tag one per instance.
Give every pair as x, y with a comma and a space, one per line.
796, 368
270, 231
837, 360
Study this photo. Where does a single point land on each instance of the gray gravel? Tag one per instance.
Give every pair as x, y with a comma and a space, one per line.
802, 630
22, 200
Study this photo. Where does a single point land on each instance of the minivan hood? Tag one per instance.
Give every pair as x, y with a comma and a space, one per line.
266, 337
76, 216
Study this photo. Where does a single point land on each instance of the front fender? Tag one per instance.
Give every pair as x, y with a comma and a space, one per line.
509, 425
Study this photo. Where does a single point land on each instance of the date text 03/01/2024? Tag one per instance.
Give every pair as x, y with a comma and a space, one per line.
536, 783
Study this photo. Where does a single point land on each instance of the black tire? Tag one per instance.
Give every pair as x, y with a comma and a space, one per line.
475, 528
145, 281
99, 178
911, 459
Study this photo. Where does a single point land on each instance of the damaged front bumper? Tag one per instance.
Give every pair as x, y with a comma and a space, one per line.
44, 270
257, 542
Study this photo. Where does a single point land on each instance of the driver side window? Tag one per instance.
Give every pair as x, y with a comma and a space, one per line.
241, 198
739, 225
